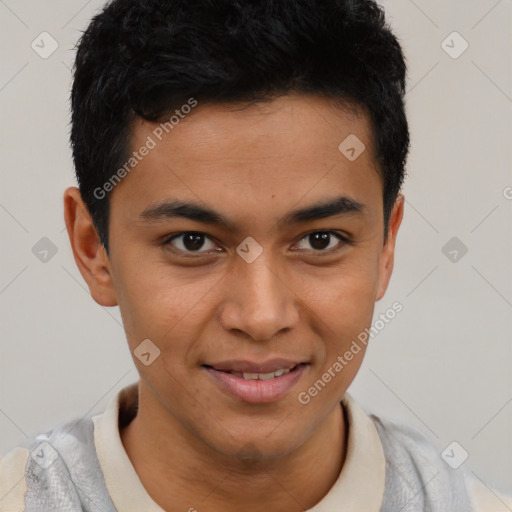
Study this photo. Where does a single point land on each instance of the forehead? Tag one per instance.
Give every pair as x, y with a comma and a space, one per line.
283, 127
290, 149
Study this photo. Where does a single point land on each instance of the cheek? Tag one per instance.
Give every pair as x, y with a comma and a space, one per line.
344, 299
157, 301
354, 304
344, 306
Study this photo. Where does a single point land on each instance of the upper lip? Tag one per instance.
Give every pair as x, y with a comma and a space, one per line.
244, 366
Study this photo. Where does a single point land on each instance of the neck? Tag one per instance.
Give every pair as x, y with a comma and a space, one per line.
182, 475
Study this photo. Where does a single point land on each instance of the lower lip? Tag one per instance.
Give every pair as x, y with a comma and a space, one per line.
257, 391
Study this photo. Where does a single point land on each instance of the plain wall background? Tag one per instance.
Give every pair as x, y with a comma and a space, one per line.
443, 364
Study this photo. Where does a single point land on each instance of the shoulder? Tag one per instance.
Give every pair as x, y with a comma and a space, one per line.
51, 473
13, 486
405, 444
417, 477
488, 499
414, 461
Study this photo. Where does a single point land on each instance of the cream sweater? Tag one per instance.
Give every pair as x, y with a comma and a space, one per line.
81, 466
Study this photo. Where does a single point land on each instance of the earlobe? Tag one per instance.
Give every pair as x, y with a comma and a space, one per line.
89, 254
388, 252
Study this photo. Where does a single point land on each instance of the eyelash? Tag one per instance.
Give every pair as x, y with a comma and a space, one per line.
318, 252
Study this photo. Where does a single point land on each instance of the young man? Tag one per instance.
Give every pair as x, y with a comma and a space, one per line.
239, 169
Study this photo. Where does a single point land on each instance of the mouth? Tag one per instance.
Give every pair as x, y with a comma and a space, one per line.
257, 375
262, 384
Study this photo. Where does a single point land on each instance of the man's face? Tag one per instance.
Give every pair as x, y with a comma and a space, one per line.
212, 310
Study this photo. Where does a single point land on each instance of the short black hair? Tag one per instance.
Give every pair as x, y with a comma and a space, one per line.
145, 58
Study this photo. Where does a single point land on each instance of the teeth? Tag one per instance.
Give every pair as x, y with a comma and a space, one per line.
262, 376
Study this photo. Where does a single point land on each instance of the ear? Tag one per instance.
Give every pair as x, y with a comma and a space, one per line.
90, 255
388, 250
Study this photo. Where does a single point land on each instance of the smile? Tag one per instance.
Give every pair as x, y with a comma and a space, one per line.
257, 387
262, 376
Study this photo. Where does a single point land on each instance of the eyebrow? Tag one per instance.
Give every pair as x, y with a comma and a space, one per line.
175, 208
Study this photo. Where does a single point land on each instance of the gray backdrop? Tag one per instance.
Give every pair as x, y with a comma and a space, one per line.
443, 364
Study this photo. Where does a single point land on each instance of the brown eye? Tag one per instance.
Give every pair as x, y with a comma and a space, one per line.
323, 241
193, 242
190, 242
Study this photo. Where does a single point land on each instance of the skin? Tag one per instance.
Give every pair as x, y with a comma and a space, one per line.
191, 444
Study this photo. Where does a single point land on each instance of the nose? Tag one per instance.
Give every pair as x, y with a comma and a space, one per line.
258, 301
